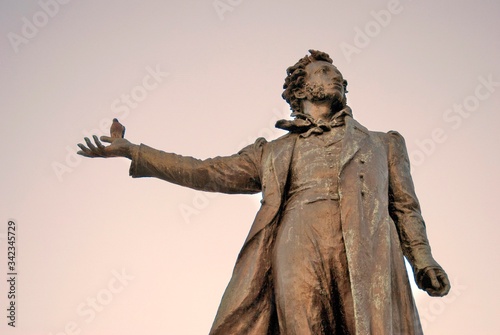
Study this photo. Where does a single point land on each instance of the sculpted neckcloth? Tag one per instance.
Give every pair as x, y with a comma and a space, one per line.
305, 124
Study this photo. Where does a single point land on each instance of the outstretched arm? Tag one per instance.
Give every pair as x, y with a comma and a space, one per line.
239, 173
405, 211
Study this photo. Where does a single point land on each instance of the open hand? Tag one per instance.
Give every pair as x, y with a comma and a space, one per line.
119, 147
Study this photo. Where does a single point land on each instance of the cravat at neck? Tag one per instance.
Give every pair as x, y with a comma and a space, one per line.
305, 124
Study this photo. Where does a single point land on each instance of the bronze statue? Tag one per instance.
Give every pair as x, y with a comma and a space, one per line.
325, 252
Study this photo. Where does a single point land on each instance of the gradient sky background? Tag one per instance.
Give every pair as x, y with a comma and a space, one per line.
80, 221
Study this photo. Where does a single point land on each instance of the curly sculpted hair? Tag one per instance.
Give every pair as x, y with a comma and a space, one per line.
296, 75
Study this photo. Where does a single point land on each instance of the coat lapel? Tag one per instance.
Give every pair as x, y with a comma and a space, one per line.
281, 158
355, 133
276, 167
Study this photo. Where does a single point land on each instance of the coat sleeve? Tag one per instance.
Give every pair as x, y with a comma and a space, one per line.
239, 173
404, 207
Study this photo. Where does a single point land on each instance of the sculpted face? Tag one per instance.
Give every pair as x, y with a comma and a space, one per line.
323, 82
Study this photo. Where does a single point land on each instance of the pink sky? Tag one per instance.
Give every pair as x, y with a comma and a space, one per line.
204, 78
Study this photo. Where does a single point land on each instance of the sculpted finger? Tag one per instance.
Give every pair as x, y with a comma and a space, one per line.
107, 139
83, 153
444, 279
81, 146
90, 145
444, 291
98, 143
433, 279
84, 148
445, 284
86, 151
433, 293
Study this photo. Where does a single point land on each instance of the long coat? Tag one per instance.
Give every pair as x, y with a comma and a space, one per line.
380, 220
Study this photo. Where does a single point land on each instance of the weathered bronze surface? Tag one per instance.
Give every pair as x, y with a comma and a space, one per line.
325, 252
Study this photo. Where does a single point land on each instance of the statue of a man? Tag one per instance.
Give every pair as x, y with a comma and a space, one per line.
325, 254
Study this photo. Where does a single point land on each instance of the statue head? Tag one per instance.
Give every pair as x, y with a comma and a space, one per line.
314, 78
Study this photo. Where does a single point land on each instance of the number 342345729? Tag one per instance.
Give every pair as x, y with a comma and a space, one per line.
11, 248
